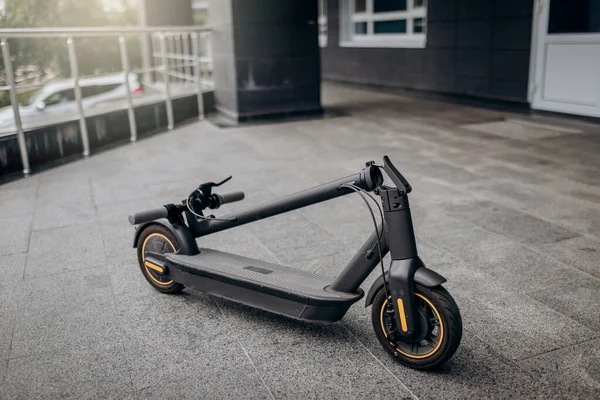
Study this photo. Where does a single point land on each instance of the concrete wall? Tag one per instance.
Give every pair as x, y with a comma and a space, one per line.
474, 47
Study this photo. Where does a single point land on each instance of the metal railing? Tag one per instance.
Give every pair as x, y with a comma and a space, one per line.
170, 54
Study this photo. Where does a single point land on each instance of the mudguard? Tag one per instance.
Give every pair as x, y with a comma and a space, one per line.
423, 276
187, 242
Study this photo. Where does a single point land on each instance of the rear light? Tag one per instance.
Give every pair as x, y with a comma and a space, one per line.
138, 90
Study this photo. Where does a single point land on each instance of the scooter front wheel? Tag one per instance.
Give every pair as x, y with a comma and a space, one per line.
440, 323
157, 239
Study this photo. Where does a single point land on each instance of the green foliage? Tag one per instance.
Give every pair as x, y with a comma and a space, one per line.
95, 54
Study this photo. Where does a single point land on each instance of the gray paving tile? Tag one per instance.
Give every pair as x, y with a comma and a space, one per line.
65, 289
302, 360
65, 312
447, 172
30, 181
580, 252
50, 215
76, 375
237, 382
510, 174
521, 130
527, 160
512, 323
293, 238
113, 190
573, 372
511, 223
17, 201
581, 219
475, 371
12, 267
347, 219
118, 237
14, 234
8, 315
513, 270
507, 261
65, 190
76, 171
65, 249
180, 336
238, 241
579, 300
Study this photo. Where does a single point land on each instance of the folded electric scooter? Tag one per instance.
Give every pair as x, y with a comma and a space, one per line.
415, 319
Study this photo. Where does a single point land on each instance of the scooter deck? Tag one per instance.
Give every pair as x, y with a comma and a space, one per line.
272, 287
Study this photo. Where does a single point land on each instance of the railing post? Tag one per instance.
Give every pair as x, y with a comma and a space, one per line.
186, 53
75, 75
198, 73
165, 68
10, 79
130, 110
182, 60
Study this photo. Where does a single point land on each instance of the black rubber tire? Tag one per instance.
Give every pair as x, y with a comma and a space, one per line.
169, 288
451, 320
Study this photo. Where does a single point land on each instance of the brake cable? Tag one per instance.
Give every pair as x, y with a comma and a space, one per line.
361, 192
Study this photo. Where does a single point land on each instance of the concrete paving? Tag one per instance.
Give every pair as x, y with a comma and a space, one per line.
506, 206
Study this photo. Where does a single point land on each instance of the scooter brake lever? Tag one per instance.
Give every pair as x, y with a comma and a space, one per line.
222, 182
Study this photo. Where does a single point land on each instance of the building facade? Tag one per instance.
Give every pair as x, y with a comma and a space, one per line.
540, 53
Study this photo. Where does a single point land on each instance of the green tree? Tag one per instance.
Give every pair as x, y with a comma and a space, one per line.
95, 54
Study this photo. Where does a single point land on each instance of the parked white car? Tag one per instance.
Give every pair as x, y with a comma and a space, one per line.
55, 102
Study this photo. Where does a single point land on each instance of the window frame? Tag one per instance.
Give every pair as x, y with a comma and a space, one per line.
322, 22
410, 39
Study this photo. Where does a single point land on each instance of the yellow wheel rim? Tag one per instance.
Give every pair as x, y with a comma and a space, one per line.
441, 333
144, 259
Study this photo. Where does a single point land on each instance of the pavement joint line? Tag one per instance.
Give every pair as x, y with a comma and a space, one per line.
117, 319
414, 396
40, 276
525, 211
508, 361
559, 348
18, 307
443, 249
349, 332
242, 346
522, 244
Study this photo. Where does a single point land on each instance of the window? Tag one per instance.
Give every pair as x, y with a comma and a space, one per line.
581, 16
88, 91
383, 23
323, 23
60, 97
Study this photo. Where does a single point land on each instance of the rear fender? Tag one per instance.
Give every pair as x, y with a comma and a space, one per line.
187, 242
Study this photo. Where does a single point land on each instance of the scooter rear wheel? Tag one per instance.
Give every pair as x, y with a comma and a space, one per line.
440, 322
157, 239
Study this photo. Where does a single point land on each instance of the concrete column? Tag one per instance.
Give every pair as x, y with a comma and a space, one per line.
266, 57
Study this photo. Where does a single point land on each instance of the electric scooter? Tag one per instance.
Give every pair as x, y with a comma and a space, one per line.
415, 319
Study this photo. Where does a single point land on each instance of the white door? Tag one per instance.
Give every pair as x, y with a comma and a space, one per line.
566, 70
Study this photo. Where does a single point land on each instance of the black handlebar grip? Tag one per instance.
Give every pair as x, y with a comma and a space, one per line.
230, 197
148, 215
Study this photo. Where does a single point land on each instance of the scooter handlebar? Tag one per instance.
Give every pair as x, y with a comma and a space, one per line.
148, 215
230, 197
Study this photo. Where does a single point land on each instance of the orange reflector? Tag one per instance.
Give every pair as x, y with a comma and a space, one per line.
154, 267
402, 316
